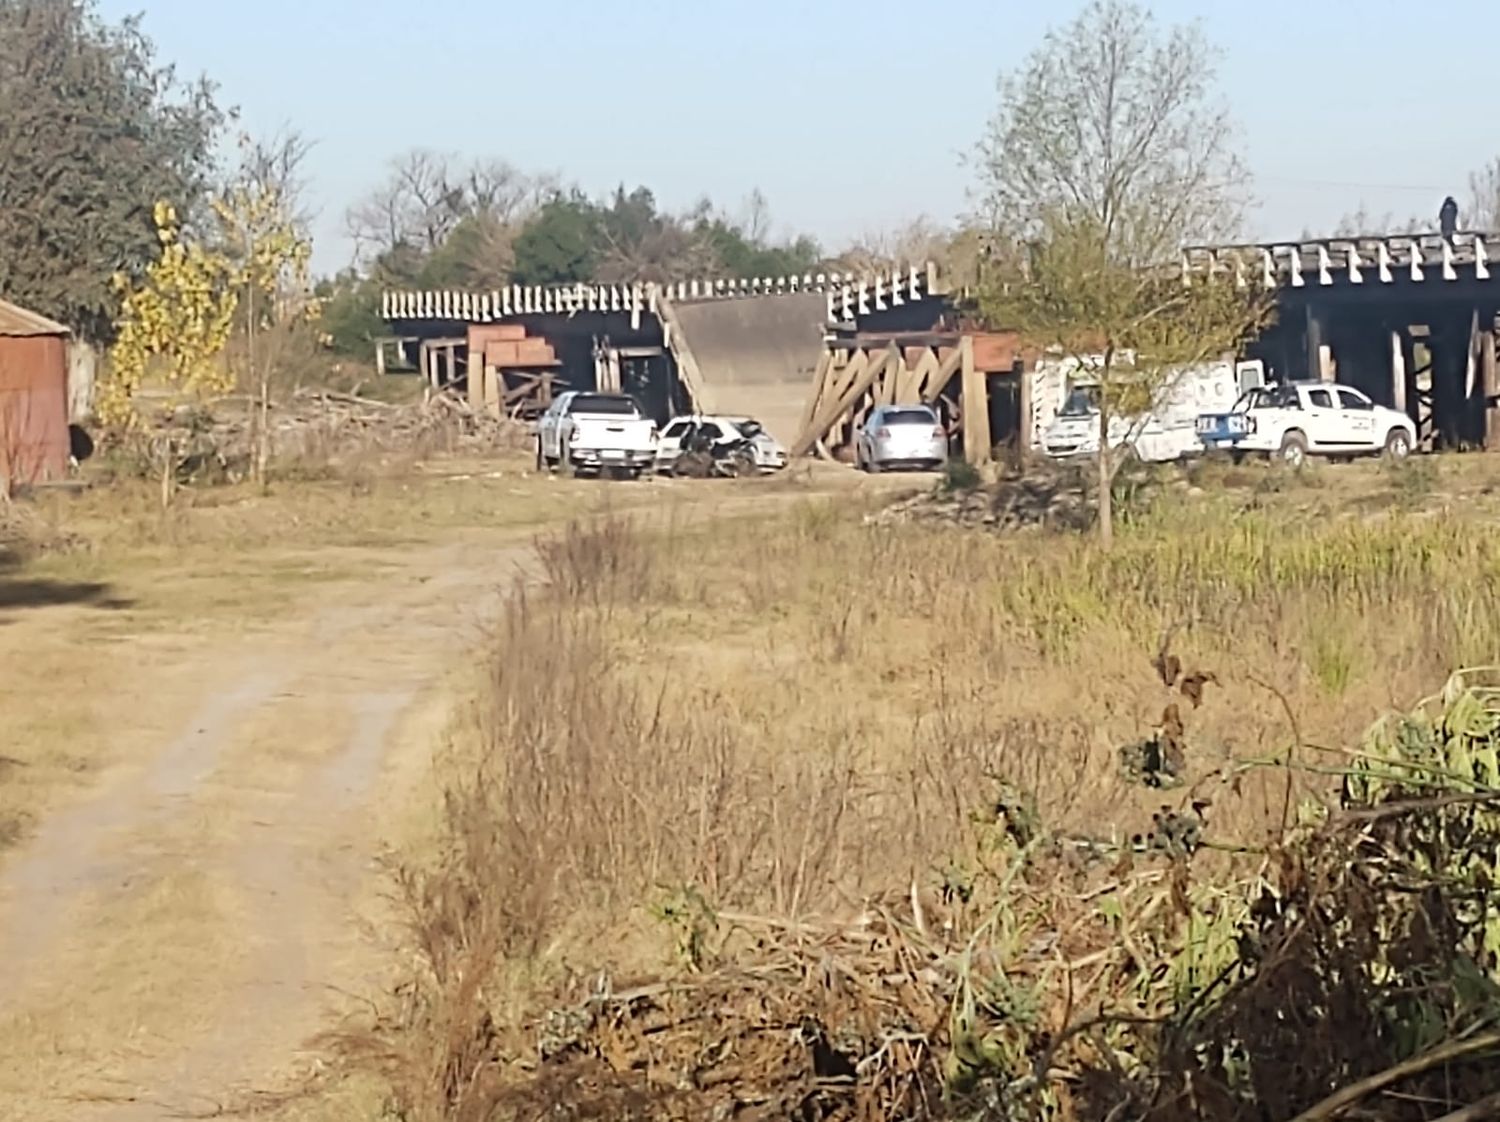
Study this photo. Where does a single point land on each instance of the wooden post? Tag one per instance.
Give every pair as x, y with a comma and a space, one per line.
1024, 405
478, 371
380, 357
1489, 371
1398, 370
830, 412
820, 389
976, 406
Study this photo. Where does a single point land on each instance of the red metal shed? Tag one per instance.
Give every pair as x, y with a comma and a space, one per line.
33, 396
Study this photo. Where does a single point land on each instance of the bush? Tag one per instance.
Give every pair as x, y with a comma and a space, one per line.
960, 476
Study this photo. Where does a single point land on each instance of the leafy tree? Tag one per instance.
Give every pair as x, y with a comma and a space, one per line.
93, 133
1105, 155
561, 244
174, 323
741, 255
269, 255
639, 243
351, 312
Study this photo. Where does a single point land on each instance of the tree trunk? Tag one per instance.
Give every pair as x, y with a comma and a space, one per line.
1105, 481
168, 470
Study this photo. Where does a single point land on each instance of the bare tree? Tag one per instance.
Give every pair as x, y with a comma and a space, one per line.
429, 194
1484, 197
914, 243
275, 165
417, 206
1106, 154
1111, 122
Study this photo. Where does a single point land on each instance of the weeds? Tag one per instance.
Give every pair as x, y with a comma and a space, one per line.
960, 476
906, 875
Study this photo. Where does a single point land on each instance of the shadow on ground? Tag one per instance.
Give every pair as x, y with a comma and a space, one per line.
18, 592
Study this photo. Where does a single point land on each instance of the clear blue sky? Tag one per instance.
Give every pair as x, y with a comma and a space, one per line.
848, 117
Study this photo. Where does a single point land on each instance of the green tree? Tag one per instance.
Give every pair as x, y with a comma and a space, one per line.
351, 312
1106, 154
561, 244
93, 133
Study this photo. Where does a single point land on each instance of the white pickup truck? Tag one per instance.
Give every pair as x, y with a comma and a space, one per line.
1300, 419
590, 433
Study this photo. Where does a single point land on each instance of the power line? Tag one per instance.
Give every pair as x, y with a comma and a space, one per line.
1347, 186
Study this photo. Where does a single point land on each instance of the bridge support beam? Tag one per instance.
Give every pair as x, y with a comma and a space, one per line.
1452, 351
1398, 341
1319, 366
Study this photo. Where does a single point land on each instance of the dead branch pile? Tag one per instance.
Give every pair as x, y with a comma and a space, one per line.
1046, 495
1348, 968
1354, 965
320, 425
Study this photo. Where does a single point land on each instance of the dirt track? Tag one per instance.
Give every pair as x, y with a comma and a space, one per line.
169, 941
179, 931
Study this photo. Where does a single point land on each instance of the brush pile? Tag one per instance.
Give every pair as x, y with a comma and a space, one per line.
316, 425
1046, 495
1350, 971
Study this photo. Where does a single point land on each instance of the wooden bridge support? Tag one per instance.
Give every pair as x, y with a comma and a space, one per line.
948, 371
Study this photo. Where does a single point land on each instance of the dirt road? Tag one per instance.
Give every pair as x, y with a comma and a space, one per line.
172, 937
170, 940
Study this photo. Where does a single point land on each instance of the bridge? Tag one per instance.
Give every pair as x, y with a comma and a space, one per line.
739, 346
1409, 318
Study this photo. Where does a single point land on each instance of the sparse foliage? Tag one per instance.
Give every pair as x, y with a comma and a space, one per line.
1484, 197
1106, 154
270, 256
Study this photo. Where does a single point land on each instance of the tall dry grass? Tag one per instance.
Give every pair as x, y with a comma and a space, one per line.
801, 716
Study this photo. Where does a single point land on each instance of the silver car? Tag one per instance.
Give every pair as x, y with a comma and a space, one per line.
897, 436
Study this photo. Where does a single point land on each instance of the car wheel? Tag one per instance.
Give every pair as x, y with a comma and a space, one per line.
1293, 451
1398, 444
872, 465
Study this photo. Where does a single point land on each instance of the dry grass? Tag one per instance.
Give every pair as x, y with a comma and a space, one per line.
793, 718
103, 588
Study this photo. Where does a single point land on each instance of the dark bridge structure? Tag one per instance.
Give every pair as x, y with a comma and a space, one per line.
1410, 319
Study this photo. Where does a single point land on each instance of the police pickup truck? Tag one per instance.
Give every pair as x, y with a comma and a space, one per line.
1296, 420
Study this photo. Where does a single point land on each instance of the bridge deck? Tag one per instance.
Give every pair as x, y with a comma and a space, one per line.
847, 296
1383, 259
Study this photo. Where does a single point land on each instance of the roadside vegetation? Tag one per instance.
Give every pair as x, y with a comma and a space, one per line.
875, 824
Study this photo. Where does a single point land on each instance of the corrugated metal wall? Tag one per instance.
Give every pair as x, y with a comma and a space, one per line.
34, 407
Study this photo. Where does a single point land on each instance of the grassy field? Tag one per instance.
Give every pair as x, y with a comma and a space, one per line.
779, 724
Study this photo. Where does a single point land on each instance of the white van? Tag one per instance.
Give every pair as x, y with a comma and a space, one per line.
1169, 431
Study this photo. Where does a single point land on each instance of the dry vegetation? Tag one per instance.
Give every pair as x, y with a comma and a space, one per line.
102, 588
818, 818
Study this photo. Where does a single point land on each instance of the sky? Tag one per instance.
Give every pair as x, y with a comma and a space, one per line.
848, 118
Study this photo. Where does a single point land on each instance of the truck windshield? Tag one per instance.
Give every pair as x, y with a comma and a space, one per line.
1083, 401
605, 404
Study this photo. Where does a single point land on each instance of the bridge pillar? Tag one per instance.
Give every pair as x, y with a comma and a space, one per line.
1318, 364
1398, 341
1451, 357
